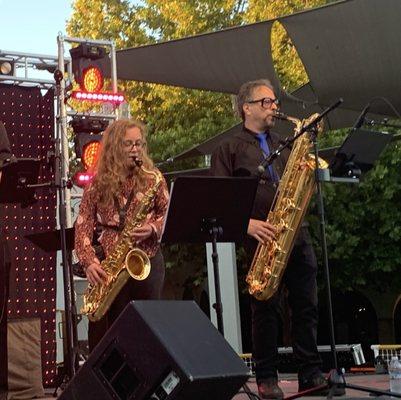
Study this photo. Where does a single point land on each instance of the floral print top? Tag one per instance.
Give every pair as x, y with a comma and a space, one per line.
90, 213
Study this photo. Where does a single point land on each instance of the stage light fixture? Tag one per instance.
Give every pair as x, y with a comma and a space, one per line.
90, 152
89, 124
82, 179
86, 147
87, 138
7, 67
116, 98
92, 79
87, 63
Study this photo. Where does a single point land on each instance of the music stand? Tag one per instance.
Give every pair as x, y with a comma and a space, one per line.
196, 201
19, 177
209, 209
359, 151
51, 240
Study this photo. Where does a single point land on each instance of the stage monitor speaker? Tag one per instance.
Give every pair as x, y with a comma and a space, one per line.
160, 350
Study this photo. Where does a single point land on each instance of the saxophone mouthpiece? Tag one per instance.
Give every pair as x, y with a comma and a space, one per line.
280, 115
138, 162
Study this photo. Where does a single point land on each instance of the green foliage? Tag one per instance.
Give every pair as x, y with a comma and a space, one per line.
363, 224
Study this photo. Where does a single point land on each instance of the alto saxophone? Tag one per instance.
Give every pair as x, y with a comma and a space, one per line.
124, 262
286, 214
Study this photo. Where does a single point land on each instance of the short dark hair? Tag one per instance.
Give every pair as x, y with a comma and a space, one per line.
245, 93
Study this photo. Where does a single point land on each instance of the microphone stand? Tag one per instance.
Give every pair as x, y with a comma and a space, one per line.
61, 183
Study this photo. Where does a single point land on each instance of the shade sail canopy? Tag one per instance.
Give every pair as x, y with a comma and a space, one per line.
214, 61
350, 49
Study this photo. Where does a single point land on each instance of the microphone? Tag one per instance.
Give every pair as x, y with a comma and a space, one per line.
361, 119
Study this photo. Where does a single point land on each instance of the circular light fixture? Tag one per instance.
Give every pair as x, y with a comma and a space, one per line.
90, 153
6, 68
92, 79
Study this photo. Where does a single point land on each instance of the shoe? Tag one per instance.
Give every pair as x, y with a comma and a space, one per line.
312, 382
268, 389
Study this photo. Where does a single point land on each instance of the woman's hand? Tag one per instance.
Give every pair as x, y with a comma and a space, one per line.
262, 231
96, 274
141, 233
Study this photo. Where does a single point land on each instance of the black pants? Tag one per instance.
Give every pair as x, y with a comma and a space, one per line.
300, 280
148, 289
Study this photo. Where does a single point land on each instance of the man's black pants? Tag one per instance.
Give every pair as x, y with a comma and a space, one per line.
300, 280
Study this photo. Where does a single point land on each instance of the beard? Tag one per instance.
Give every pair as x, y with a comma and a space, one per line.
269, 122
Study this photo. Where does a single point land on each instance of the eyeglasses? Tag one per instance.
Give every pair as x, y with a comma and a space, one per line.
137, 143
266, 102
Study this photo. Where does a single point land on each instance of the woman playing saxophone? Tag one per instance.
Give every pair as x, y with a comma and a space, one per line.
120, 185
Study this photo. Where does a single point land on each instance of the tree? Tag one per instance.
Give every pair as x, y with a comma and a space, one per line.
364, 225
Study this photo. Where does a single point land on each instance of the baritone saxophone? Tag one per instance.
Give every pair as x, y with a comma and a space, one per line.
287, 212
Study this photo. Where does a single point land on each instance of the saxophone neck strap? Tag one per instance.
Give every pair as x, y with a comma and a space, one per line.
122, 211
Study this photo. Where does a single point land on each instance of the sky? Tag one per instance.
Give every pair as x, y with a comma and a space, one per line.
32, 26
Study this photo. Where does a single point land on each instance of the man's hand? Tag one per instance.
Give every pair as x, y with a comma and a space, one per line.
95, 273
262, 231
142, 233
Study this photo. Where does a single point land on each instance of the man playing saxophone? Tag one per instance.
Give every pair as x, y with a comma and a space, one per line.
110, 202
241, 155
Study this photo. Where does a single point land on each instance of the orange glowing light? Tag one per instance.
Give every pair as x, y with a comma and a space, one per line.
90, 154
92, 79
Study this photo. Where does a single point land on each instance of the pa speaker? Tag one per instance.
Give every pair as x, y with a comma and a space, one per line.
160, 350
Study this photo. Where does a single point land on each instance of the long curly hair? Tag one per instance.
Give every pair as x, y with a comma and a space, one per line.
111, 166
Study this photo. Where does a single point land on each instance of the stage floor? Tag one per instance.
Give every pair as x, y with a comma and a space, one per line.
289, 384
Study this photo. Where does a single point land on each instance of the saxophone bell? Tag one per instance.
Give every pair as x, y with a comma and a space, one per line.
137, 264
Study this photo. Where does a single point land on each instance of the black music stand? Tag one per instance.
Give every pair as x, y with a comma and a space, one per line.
18, 181
358, 153
51, 240
210, 209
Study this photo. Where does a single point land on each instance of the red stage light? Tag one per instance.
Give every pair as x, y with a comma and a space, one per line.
90, 153
116, 98
83, 178
92, 79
